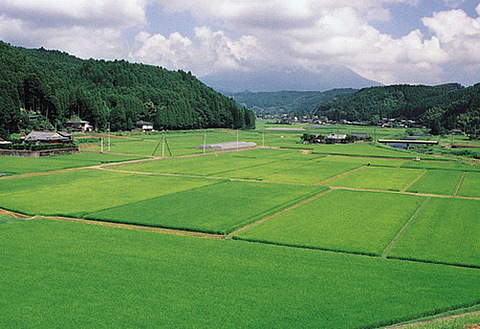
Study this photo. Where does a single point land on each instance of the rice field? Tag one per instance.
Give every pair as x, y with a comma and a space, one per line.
63, 274
367, 225
324, 236
437, 182
446, 231
378, 178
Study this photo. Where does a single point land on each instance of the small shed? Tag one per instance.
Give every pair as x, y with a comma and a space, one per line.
144, 125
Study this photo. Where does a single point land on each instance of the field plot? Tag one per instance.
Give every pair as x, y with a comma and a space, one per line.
101, 277
253, 164
217, 208
15, 166
361, 149
391, 179
470, 185
442, 165
80, 192
446, 230
360, 222
437, 182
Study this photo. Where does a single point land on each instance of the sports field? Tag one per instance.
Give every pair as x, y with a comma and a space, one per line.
354, 236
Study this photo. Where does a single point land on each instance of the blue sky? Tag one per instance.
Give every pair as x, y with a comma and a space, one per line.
389, 41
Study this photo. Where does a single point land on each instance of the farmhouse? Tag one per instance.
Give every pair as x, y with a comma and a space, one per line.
48, 137
144, 125
79, 125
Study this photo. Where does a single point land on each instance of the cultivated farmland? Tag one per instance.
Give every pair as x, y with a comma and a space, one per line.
74, 273
366, 225
446, 230
323, 236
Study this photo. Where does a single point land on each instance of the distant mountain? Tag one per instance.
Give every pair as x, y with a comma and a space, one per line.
297, 102
282, 78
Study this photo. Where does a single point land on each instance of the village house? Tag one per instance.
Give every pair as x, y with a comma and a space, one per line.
48, 137
79, 125
144, 126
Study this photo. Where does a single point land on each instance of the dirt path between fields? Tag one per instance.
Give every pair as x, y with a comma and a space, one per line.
450, 317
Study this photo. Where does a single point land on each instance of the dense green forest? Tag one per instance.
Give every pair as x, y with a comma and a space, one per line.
440, 108
56, 87
294, 102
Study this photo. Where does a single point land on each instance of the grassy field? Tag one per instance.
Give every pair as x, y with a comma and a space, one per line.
320, 256
77, 275
446, 230
470, 185
81, 192
217, 208
392, 179
437, 182
15, 166
178, 202
367, 225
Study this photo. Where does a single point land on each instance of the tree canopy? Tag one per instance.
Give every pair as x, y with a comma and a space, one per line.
59, 86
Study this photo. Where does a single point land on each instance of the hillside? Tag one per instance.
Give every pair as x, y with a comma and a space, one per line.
298, 102
59, 86
449, 106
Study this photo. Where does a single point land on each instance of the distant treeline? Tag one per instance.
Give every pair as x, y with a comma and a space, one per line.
57, 86
440, 108
293, 102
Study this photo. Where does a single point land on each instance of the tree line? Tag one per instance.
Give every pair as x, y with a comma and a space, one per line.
48, 86
440, 108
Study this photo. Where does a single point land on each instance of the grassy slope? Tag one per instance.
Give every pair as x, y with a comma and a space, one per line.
73, 275
446, 230
366, 225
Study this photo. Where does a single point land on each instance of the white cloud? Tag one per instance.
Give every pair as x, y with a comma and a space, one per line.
312, 33
205, 53
458, 34
305, 33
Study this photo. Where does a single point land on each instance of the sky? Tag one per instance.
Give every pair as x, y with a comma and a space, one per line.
388, 41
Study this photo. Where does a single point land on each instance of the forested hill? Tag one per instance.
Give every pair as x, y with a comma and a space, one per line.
448, 106
293, 102
59, 86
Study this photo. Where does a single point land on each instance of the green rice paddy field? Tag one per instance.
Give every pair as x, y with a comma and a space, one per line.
342, 236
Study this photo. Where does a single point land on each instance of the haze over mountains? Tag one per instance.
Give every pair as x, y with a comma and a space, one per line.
270, 79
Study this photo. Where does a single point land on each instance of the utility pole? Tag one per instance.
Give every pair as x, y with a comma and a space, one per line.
204, 142
163, 145
108, 136
237, 140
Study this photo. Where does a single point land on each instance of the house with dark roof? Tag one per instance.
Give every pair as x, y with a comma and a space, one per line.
144, 125
79, 125
48, 137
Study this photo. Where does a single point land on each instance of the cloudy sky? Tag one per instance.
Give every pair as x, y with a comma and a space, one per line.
389, 41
